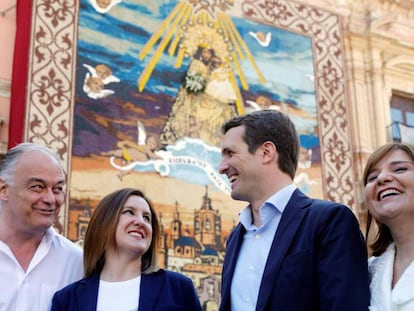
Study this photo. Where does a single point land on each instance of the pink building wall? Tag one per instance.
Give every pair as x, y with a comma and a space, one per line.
7, 38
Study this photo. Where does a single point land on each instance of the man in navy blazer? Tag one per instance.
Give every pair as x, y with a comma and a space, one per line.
288, 252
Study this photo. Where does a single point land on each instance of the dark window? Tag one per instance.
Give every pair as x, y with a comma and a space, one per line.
402, 117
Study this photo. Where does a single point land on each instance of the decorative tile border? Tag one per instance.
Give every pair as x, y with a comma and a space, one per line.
50, 88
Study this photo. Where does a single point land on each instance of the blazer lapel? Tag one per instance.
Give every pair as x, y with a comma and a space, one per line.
87, 293
381, 269
403, 293
232, 252
289, 223
150, 290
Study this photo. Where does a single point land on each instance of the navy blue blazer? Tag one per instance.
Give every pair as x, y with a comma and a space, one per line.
317, 260
161, 290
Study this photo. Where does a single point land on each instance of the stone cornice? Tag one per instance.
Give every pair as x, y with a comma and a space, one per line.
392, 19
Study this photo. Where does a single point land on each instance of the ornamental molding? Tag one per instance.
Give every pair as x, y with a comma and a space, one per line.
392, 19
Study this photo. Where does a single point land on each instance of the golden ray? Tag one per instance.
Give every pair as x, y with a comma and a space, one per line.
180, 57
203, 17
235, 35
240, 73
150, 43
228, 34
177, 38
158, 52
239, 98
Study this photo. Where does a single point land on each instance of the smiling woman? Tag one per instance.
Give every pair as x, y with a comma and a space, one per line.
120, 260
389, 195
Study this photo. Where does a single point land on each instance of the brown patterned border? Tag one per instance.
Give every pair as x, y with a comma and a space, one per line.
50, 91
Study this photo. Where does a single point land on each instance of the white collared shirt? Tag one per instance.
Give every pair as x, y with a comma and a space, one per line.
255, 249
56, 263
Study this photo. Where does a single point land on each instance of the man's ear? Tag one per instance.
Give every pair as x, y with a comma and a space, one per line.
269, 151
3, 189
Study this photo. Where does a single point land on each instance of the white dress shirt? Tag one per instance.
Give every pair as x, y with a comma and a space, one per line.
56, 263
255, 250
383, 297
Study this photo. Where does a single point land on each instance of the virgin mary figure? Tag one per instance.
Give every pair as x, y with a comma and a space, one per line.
207, 97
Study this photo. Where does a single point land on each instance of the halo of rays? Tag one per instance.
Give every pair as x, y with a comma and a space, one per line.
196, 24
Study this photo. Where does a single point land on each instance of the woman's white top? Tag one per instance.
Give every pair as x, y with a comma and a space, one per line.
383, 296
120, 296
